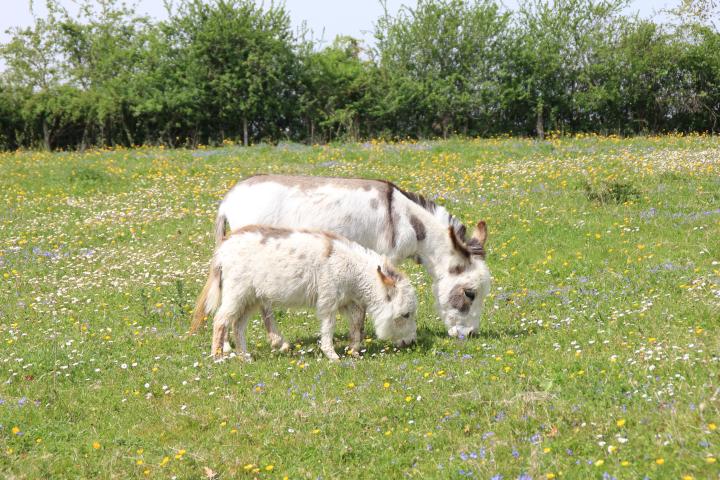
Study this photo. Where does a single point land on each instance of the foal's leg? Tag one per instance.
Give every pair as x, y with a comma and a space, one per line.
277, 342
221, 324
327, 328
239, 327
227, 348
356, 321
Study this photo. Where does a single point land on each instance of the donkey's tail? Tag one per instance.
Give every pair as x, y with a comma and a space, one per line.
209, 299
220, 222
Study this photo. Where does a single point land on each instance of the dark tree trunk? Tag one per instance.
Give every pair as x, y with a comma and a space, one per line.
540, 123
245, 131
128, 134
83, 142
46, 135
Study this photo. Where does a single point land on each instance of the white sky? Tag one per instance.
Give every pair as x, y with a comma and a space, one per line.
327, 18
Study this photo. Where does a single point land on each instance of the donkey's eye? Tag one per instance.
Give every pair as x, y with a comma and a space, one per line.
470, 294
407, 315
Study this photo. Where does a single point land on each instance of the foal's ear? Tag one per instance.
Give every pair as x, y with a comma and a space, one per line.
387, 280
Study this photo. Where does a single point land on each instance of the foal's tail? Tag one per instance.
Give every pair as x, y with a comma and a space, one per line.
209, 299
220, 228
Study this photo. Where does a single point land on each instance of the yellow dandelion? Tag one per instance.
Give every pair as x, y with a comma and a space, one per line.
620, 422
269, 468
96, 445
599, 463
710, 460
15, 430
712, 426
660, 461
386, 385
351, 385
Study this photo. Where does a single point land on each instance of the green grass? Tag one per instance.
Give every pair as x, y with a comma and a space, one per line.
598, 351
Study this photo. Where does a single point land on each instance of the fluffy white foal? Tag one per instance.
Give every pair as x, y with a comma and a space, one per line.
268, 266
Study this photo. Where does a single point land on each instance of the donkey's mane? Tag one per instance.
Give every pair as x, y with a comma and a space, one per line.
433, 208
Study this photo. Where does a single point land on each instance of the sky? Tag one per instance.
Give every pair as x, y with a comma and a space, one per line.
326, 18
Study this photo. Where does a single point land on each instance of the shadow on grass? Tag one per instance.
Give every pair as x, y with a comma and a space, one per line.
497, 334
424, 343
427, 340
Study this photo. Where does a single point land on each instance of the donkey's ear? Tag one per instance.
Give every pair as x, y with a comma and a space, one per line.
386, 279
480, 233
458, 245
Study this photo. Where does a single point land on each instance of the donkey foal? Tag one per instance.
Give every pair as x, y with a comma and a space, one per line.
268, 266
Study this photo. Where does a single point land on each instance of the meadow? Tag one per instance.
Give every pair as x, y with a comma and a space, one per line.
598, 355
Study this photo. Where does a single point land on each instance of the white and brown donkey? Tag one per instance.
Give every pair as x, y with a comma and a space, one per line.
380, 216
266, 266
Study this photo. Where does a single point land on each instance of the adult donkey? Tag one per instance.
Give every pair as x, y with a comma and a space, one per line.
378, 215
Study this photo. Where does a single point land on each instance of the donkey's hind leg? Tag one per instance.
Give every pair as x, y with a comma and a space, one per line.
277, 342
239, 327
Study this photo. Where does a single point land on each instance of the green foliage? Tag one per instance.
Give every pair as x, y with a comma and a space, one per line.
439, 63
233, 69
335, 88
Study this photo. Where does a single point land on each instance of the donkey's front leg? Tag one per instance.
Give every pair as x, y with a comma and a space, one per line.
327, 328
356, 321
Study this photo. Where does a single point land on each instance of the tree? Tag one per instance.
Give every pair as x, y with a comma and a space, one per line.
556, 42
34, 67
102, 46
335, 85
440, 62
242, 57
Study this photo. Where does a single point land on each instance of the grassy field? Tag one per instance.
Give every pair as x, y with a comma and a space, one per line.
598, 357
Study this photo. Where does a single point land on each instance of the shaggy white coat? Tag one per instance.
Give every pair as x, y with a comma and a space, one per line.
259, 266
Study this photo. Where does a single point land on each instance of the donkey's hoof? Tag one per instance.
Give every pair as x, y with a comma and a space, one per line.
281, 347
227, 348
332, 356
